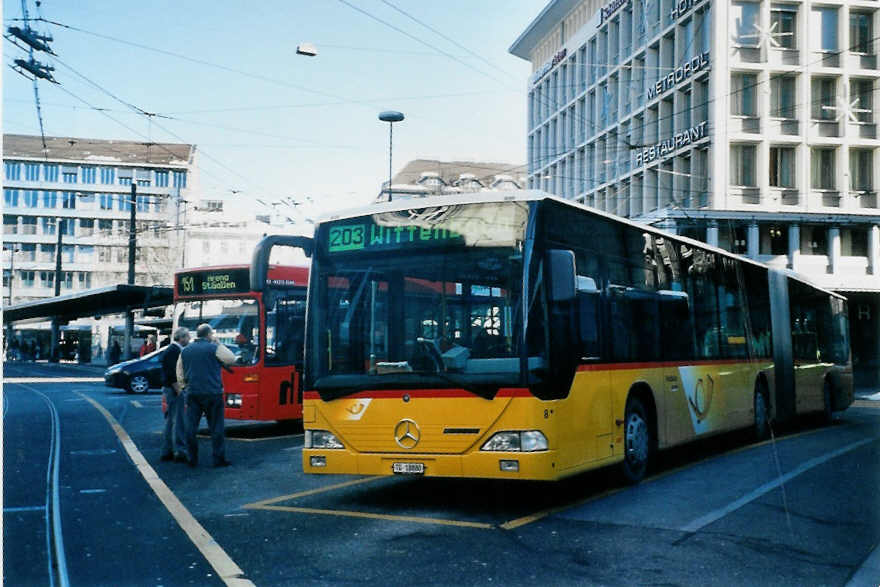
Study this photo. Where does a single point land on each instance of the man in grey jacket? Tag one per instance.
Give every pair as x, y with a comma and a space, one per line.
173, 440
198, 372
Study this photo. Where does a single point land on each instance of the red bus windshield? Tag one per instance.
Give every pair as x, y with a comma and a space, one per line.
236, 323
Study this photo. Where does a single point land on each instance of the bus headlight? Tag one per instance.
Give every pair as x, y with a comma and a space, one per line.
320, 439
516, 441
233, 400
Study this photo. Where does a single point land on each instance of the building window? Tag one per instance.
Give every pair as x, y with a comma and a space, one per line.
743, 94
143, 203
861, 170
742, 165
32, 171
69, 174
744, 17
824, 93
47, 278
823, 28
773, 239
106, 201
105, 254
50, 172
782, 167
48, 225
783, 23
31, 198
10, 198
86, 254
47, 252
67, 280
179, 178
860, 35
857, 238
13, 170
85, 280
108, 175
88, 174
105, 227
68, 200
10, 224
863, 91
783, 96
123, 202
86, 226
162, 179
28, 252
121, 255
125, 176
29, 225
823, 169
27, 278
50, 199
68, 227
68, 253
816, 239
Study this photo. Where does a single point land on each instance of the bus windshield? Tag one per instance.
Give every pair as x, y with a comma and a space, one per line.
236, 324
436, 309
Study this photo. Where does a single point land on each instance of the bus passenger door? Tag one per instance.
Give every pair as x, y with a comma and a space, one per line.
281, 388
677, 346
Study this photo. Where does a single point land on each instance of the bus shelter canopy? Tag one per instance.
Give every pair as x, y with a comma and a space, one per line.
114, 299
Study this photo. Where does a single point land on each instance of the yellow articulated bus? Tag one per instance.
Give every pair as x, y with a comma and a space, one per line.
520, 336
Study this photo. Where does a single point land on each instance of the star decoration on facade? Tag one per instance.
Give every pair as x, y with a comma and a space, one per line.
766, 38
847, 108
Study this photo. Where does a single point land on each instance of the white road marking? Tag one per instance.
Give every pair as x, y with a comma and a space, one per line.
25, 508
136, 403
94, 452
53, 380
719, 513
294, 447
93, 491
867, 574
229, 572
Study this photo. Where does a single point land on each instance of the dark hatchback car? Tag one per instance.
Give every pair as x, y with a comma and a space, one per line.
137, 375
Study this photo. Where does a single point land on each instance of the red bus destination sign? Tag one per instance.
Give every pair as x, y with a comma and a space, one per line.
213, 281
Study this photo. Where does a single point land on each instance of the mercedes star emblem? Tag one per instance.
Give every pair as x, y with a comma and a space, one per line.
407, 434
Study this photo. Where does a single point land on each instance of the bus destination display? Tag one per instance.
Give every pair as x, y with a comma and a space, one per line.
222, 281
370, 237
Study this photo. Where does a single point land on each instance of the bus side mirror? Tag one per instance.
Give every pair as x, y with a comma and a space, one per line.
260, 260
561, 275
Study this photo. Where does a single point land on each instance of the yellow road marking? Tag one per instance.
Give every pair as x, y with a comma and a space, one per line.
136, 403
229, 572
368, 515
325, 489
519, 522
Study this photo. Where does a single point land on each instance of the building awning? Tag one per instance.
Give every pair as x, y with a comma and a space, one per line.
114, 299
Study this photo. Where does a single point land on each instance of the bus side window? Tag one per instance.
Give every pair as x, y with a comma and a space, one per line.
676, 329
588, 319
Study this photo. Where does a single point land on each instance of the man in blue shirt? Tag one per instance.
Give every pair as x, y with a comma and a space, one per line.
198, 371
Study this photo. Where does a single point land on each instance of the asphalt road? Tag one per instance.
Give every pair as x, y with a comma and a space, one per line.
803, 509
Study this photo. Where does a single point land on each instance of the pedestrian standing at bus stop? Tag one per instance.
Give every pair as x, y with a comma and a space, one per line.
174, 442
198, 371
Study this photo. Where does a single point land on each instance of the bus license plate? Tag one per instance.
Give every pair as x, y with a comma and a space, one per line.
408, 468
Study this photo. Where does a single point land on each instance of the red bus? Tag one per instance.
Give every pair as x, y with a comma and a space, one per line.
262, 325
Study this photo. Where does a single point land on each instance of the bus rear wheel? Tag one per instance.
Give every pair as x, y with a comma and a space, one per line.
638, 441
762, 417
827, 403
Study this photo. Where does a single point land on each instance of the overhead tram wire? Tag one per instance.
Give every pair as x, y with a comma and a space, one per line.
420, 41
447, 38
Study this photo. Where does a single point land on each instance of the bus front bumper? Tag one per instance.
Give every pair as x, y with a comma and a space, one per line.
537, 466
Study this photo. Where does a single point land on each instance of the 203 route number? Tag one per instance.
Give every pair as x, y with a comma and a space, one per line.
408, 468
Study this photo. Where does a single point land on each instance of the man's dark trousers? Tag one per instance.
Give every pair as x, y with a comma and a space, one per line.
211, 405
174, 439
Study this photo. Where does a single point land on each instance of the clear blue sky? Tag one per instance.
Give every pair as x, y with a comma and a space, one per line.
320, 139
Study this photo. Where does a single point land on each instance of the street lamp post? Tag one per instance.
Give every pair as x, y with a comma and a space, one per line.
390, 116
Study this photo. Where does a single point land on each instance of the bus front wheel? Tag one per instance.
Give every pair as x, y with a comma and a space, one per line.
638, 441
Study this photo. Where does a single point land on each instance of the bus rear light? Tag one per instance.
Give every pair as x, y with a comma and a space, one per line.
233, 400
509, 466
318, 461
252, 378
320, 439
516, 441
